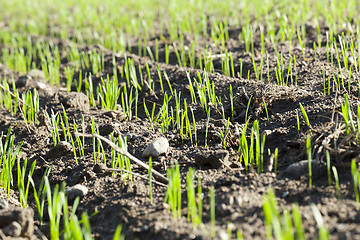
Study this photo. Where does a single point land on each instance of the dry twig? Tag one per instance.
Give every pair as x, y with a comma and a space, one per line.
125, 153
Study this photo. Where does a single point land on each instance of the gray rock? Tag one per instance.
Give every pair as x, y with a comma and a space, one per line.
156, 148
77, 190
61, 149
12, 230
44, 89
41, 86
299, 169
76, 100
213, 158
223, 235
3, 204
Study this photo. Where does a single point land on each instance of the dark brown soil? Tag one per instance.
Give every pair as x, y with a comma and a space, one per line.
238, 193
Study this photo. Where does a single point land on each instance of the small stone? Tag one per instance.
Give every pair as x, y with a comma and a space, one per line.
3, 204
223, 235
284, 194
238, 200
77, 190
41, 86
12, 230
61, 149
351, 60
156, 148
234, 216
76, 100
44, 88
214, 159
299, 169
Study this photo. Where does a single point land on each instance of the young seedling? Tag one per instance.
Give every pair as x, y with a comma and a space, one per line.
231, 95
239, 235
212, 209
323, 231
194, 211
305, 115
308, 153
337, 185
266, 111
356, 180
247, 109
150, 179
276, 153
207, 127
117, 234
328, 165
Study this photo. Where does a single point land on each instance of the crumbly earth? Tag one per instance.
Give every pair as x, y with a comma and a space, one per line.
238, 193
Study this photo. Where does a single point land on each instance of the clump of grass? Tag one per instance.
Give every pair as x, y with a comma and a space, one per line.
8, 97
252, 153
108, 93
30, 107
53, 121
22, 188
40, 194
9, 153
55, 204
173, 192
281, 226
194, 211
120, 161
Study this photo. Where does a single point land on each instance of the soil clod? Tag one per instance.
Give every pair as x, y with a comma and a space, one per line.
213, 158
3, 203
12, 230
22, 216
61, 149
300, 169
75, 100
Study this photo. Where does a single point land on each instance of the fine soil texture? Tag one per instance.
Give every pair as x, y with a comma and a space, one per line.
249, 134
